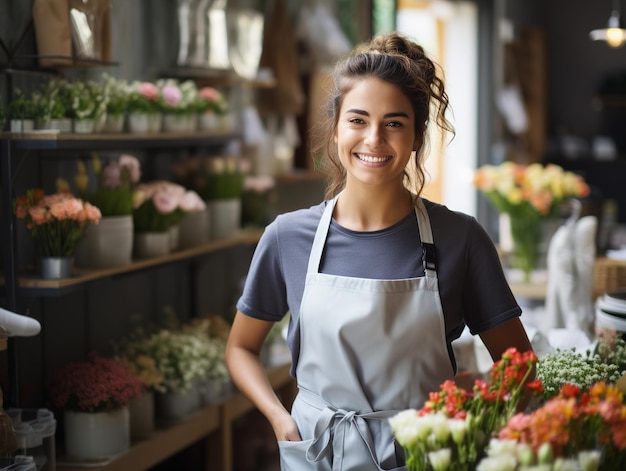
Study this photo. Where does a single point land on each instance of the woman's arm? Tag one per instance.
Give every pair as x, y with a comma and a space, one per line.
507, 335
244, 345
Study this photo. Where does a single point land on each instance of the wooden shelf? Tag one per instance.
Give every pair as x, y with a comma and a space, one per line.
211, 422
35, 286
49, 140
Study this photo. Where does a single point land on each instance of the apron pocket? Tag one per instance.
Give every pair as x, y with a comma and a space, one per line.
293, 457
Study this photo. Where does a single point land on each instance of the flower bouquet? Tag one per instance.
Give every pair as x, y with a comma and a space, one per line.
453, 429
569, 367
159, 205
528, 195
56, 222
574, 431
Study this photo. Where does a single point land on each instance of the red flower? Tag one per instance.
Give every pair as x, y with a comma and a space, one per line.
98, 384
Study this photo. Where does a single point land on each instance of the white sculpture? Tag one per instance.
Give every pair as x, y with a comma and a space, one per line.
17, 325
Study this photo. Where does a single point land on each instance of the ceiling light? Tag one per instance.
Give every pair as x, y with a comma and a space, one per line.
613, 34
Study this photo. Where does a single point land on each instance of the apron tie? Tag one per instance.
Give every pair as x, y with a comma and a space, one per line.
333, 428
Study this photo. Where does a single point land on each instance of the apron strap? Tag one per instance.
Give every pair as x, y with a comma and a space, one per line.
429, 254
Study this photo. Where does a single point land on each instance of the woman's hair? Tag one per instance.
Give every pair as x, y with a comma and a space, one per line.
395, 59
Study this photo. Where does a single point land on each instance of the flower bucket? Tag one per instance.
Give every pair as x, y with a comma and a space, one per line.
225, 217
139, 123
108, 243
96, 435
22, 125
84, 126
114, 123
173, 122
209, 121
152, 244
195, 229
141, 410
55, 268
172, 406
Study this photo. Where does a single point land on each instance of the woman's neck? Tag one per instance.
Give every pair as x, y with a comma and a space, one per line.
371, 210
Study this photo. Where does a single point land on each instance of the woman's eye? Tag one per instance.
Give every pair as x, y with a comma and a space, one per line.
395, 124
356, 121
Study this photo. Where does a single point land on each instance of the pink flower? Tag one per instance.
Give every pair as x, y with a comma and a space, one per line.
191, 202
111, 175
149, 91
131, 164
210, 94
165, 202
172, 95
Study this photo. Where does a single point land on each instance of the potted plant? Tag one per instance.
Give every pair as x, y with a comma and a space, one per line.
223, 189
87, 104
158, 207
22, 112
116, 96
211, 105
110, 188
183, 359
144, 107
54, 106
57, 224
134, 351
179, 105
94, 395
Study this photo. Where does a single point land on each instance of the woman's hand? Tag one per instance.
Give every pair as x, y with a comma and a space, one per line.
285, 428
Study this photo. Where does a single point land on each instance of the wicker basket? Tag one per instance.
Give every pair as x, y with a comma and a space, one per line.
609, 275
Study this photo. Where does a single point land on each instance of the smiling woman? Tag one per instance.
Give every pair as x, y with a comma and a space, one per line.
378, 280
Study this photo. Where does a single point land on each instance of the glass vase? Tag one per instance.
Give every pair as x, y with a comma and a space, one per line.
526, 235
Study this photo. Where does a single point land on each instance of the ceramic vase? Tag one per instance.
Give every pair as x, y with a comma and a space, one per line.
55, 268
172, 406
173, 122
225, 217
108, 243
152, 244
96, 435
114, 123
209, 121
84, 126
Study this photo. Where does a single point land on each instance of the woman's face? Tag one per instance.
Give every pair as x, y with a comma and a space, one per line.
375, 133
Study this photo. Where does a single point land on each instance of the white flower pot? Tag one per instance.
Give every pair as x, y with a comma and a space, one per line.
61, 124
155, 122
114, 123
225, 217
174, 233
152, 244
209, 121
22, 125
138, 123
179, 122
175, 406
84, 126
92, 436
107, 244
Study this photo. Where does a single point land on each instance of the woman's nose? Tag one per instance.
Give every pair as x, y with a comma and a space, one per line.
374, 137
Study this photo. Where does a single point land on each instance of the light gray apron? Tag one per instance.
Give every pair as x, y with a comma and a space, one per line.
368, 349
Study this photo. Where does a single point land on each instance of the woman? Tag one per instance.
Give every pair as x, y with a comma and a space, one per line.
378, 281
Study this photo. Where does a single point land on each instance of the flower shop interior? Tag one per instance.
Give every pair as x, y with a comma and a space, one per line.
235, 87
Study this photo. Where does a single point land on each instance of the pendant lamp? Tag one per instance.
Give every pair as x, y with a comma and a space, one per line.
614, 34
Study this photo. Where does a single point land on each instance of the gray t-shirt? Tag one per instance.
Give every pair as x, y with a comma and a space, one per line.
472, 285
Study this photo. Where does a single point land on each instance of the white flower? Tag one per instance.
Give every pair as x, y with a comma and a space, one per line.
405, 427
562, 464
589, 460
497, 463
440, 459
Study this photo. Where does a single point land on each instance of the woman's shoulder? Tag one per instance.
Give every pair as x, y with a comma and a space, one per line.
441, 213
297, 223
